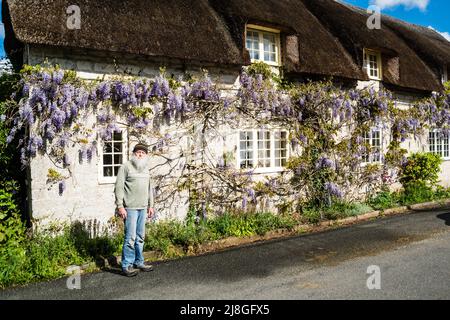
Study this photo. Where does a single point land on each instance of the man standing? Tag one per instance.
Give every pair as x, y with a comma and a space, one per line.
134, 200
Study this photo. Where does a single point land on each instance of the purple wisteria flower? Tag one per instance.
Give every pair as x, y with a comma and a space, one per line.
244, 202
66, 160
324, 163
62, 187
251, 193
58, 77
333, 190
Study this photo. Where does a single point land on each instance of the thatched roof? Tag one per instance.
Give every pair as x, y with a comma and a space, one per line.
350, 26
429, 45
319, 37
318, 51
182, 29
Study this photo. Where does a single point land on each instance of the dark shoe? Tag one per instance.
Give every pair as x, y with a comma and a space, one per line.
130, 272
144, 268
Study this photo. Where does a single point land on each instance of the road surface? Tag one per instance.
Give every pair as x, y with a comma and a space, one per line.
407, 256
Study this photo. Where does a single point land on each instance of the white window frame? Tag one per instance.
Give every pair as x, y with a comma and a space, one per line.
371, 139
100, 165
440, 146
261, 31
254, 145
366, 63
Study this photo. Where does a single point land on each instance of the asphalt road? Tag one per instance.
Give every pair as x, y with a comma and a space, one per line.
412, 253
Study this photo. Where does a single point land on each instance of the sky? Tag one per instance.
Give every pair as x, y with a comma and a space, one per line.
428, 13
2, 34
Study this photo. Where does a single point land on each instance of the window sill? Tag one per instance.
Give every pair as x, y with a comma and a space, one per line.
265, 170
272, 64
104, 180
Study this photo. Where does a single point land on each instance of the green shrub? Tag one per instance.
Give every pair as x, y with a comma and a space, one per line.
384, 200
311, 215
26, 258
12, 229
442, 193
421, 169
265, 222
342, 210
233, 225
417, 192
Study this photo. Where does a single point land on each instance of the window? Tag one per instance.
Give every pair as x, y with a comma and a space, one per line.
372, 139
372, 64
439, 143
280, 148
262, 149
246, 147
113, 155
263, 44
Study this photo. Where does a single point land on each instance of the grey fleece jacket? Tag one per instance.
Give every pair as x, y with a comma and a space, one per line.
134, 189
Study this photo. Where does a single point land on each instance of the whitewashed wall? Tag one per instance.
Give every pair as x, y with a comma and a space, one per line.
85, 197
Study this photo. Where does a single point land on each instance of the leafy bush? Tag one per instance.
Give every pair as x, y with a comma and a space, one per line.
338, 210
417, 192
442, 193
342, 210
265, 222
421, 169
11, 227
233, 225
384, 200
311, 215
28, 258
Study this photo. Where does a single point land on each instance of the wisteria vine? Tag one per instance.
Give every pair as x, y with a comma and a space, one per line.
326, 124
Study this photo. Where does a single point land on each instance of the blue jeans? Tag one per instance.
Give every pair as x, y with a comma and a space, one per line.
133, 246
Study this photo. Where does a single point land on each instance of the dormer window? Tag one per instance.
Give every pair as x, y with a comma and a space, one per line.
372, 64
263, 44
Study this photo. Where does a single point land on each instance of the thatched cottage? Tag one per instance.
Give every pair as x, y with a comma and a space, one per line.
308, 39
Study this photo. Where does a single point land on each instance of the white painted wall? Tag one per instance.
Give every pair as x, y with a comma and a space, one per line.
87, 199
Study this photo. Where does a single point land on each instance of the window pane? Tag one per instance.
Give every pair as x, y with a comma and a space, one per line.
252, 44
246, 135
107, 148
446, 149
118, 147
264, 163
278, 162
116, 171
431, 142
107, 171
107, 159
118, 159
263, 148
117, 136
246, 164
439, 147
269, 45
269, 42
